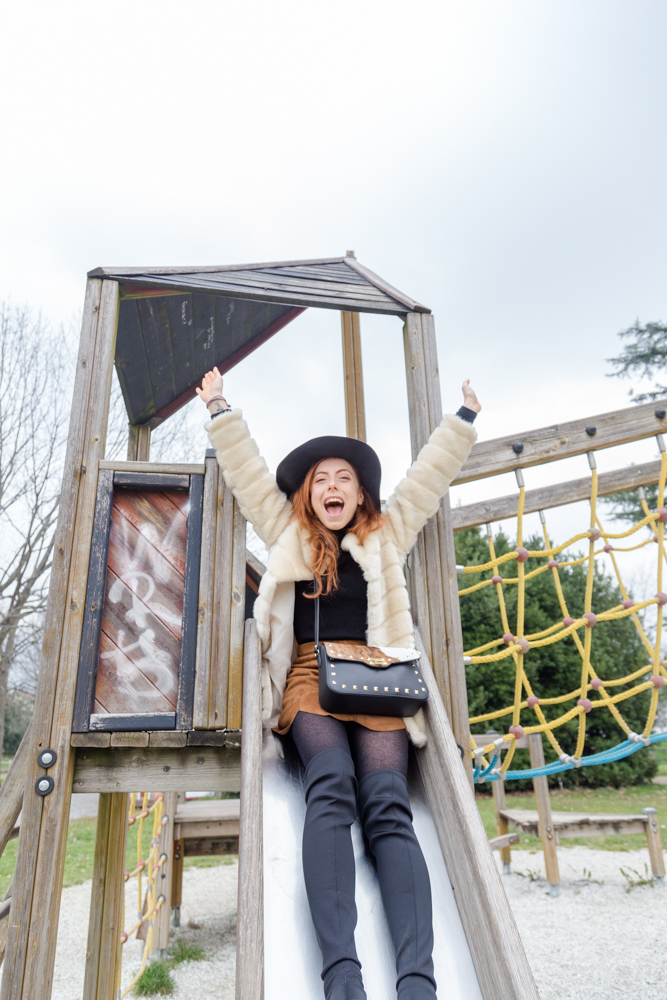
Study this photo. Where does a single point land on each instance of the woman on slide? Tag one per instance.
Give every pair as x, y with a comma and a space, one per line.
321, 520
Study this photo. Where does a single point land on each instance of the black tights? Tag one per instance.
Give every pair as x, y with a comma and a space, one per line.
370, 750
350, 768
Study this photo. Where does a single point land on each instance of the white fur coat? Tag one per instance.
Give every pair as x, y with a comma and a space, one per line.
381, 557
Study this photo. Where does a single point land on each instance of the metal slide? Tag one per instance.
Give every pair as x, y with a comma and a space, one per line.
292, 958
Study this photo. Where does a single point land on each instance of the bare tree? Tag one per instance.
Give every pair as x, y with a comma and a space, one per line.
35, 390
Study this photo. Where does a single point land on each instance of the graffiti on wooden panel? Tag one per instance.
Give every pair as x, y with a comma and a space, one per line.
143, 610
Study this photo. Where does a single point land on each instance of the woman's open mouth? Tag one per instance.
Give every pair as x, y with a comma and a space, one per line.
334, 506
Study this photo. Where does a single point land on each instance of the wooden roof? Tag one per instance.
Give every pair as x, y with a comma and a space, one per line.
175, 323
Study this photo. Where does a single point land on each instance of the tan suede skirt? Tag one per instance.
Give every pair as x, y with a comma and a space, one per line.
302, 695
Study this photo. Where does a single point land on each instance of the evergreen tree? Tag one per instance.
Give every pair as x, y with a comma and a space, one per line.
556, 669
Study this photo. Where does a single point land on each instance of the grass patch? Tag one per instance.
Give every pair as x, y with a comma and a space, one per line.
211, 861
585, 800
182, 951
155, 980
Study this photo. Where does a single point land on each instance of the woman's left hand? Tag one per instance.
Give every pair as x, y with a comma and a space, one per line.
469, 398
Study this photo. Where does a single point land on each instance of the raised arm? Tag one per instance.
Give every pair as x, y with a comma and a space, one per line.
244, 469
417, 497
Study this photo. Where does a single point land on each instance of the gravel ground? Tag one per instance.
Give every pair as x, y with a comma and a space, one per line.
595, 940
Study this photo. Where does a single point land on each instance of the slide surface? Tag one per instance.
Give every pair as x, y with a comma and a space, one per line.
291, 955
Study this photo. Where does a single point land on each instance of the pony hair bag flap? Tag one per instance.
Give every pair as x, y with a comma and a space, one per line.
366, 680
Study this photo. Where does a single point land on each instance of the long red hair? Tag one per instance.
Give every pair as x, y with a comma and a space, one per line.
323, 542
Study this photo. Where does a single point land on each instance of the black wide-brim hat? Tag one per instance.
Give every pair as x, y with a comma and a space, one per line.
295, 467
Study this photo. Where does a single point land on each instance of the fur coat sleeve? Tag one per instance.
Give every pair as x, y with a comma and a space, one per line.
247, 475
417, 497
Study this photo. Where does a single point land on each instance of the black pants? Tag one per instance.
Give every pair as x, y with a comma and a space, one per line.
350, 768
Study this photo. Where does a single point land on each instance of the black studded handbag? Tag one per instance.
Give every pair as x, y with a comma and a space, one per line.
364, 680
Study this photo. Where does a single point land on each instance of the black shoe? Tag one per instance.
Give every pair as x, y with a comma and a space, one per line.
343, 982
416, 988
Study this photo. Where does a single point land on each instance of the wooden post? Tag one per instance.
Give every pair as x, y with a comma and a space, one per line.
162, 921
103, 953
250, 923
654, 843
355, 413
547, 832
41, 855
501, 823
432, 579
496, 948
138, 442
11, 793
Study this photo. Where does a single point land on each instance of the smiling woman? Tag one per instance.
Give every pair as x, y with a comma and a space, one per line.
329, 539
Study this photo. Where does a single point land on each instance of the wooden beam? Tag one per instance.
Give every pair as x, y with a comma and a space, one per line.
41, 854
103, 952
138, 442
11, 792
236, 620
159, 468
124, 769
550, 444
654, 843
496, 948
432, 579
250, 922
547, 829
355, 413
162, 921
487, 511
501, 825
207, 567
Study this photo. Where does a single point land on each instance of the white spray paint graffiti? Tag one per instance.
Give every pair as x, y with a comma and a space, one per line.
154, 663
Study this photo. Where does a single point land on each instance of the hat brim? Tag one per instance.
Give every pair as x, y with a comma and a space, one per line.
295, 467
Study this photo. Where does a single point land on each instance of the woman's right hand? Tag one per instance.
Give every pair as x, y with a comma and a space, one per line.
211, 386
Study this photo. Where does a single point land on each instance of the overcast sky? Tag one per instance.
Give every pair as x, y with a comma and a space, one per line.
502, 161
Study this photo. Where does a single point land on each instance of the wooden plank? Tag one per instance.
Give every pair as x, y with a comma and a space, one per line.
503, 842
41, 854
209, 810
250, 921
155, 468
94, 609
496, 948
237, 620
166, 846
138, 442
186, 666
11, 792
124, 769
90, 739
168, 739
99, 272
200, 716
129, 721
501, 824
432, 565
103, 952
384, 286
549, 444
222, 596
355, 413
177, 879
129, 740
474, 514
328, 300
546, 825
151, 480
208, 828
654, 843
210, 846
567, 824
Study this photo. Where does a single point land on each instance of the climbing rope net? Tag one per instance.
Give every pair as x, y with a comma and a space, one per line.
594, 692
146, 872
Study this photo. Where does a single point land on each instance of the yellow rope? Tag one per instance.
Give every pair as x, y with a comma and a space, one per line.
517, 649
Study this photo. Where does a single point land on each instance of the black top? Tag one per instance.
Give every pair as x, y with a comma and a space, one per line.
343, 613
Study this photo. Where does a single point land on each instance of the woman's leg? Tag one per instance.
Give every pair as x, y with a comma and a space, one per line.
381, 761
328, 857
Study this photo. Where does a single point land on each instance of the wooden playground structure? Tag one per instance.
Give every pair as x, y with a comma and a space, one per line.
150, 674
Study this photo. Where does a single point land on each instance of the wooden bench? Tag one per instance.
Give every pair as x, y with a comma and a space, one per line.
202, 828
